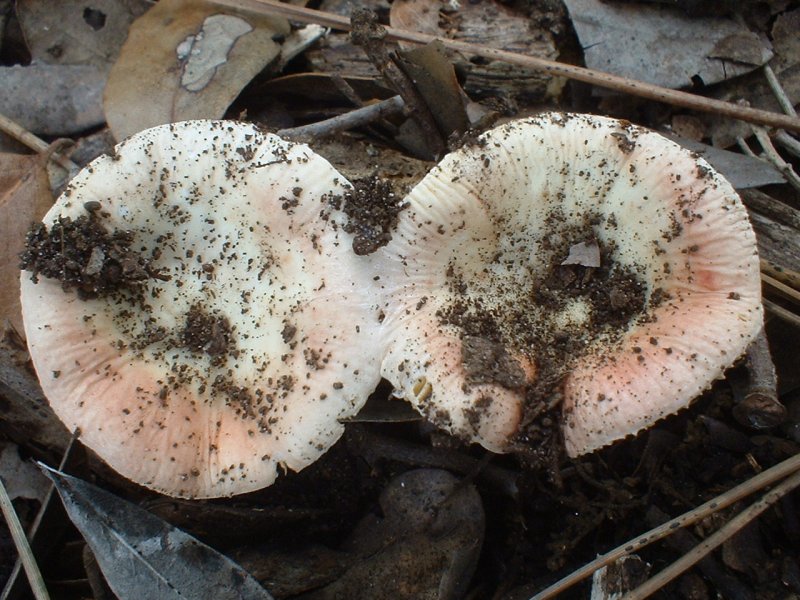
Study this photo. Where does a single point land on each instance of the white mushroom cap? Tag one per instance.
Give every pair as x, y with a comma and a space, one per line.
251, 340
500, 315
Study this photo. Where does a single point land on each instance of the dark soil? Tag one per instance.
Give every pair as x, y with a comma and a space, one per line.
206, 333
85, 257
372, 209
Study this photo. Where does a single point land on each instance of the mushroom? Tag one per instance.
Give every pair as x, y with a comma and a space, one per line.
567, 259
183, 304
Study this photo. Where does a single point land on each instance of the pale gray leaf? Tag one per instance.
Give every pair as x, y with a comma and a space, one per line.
662, 45
741, 170
142, 556
53, 99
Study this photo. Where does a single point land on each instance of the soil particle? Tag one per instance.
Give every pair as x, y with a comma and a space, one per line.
372, 210
85, 257
288, 332
207, 333
489, 362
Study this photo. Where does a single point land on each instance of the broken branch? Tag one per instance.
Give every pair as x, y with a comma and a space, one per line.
19, 133
760, 407
350, 120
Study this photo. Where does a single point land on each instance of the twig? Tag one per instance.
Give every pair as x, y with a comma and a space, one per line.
788, 142
771, 475
782, 274
12, 588
745, 148
771, 155
784, 290
777, 90
350, 120
346, 89
19, 133
731, 528
598, 78
760, 407
23, 548
781, 313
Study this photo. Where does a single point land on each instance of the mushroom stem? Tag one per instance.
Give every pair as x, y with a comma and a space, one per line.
760, 408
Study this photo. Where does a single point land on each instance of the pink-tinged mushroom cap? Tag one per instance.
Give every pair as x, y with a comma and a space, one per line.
242, 332
567, 257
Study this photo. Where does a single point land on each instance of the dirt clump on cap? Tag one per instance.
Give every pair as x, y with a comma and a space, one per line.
84, 256
553, 318
489, 362
207, 333
372, 210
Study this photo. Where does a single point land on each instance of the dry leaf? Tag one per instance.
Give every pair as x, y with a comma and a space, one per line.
24, 198
662, 45
785, 38
142, 556
21, 478
433, 75
74, 32
186, 60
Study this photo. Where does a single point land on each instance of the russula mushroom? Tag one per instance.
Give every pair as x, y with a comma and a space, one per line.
183, 304
567, 258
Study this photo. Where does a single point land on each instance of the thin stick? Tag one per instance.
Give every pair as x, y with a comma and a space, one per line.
778, 92
771, 155
744, 147
763, 479
23, 548
760, 407
782, 274
731, 528
598, 78
19, 133
350, 120
11, 589
788, 142
781, 288
781, 313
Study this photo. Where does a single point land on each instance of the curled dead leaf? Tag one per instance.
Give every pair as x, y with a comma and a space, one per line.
185, 59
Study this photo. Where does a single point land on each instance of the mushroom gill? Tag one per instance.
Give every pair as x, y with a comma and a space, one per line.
567, 260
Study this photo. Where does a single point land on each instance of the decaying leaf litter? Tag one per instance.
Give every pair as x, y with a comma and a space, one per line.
314, 533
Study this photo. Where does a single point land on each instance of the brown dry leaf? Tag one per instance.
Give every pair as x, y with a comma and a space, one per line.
433, 75
25, 197
75, 32
186, 59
